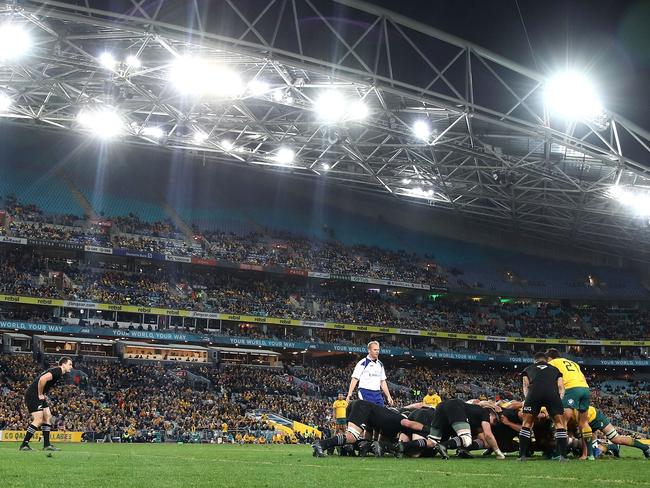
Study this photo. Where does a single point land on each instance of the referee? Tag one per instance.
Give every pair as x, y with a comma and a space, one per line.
38, 406
370, 376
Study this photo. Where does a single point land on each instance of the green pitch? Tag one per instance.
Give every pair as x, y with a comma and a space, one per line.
159, 465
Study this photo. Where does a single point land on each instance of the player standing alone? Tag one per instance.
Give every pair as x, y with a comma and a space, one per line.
37, 404
543, 387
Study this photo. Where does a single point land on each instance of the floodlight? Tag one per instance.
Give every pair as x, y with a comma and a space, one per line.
103, 122
285, 155
133, 61
405, 181
258, 87
197, 77
5, 102
155, 132
422, 129
572, 96
326, 167
638, 202
330, 106
227, 145
358, 110
200, 137
15, 41
107, 60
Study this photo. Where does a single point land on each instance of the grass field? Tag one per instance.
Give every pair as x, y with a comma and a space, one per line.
171, 465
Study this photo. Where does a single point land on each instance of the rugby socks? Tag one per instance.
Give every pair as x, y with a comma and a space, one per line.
46, 428
418, 444
587, 435
639, 445
456, 443
30, 432
525, 436
337, 440
476, 445
562, 440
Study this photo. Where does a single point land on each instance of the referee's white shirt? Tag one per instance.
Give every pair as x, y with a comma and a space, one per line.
370, 374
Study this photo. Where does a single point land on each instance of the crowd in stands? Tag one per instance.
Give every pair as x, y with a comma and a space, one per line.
289, 251
115, 399
340, 302
132, 224
268, 249
33, 213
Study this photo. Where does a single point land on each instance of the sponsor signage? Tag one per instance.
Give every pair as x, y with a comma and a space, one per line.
307, 323
58, 244
99, 249
55, 436
296, 345
13, 240
178, 259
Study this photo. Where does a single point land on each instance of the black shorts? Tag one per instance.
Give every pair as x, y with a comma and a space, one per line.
535, 400
387, 422
448, 414
33, 403
359, 412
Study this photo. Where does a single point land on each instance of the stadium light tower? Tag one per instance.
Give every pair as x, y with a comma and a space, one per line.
154, 132
422, 129
198, 77
107, 60
5, 102
332, 106
285, 155
637, 202
15, 41
103, 122
572, 96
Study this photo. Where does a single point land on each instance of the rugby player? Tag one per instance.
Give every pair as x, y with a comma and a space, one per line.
362, 414
598, 421
543, 387
465, 420
576, 396
38, 405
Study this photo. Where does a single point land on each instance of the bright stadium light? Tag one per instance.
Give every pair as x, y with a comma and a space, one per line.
15, 41
103, 122
422, 129
5, 102
406, 181
200, 137
330, 106
572, 96
326, 167
227, 145
285, 155
258, 87
358, 110
154, 132
133, 61
638, 202
107, 60
197, 77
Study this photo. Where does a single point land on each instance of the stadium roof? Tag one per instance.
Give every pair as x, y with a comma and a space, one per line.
284, 85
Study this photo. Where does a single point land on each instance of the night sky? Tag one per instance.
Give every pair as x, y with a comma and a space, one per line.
609, 38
